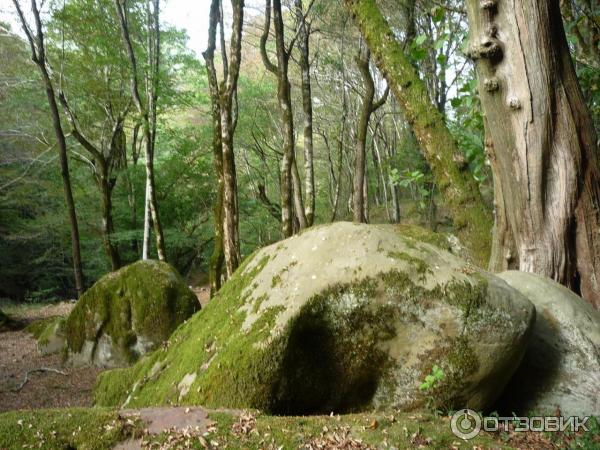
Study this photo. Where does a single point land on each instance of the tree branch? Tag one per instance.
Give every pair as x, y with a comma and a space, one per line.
263, 40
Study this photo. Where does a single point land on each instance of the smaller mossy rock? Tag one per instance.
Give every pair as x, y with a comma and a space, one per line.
128, 313
49, 334
561, 368
342, 317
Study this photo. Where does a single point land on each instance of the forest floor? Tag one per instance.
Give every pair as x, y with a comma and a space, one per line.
52, 410
19, 357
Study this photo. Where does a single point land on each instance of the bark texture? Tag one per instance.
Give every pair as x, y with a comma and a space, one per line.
472, 219
541, 142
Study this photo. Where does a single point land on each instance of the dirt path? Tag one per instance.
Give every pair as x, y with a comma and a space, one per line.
18, 355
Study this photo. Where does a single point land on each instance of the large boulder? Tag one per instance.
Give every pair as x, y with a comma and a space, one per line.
127, 313
340, 318
561, 368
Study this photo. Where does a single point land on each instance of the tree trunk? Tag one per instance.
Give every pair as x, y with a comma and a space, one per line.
227, 241
231, 245
285, 110
472, 219
309, 173
362, 61
38, 55
147, 113
298, 201
217, 259
542, 143
215, 270
147, 221
111, 250
152, 203
131, 193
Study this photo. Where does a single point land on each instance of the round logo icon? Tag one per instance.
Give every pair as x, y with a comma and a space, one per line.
465, 424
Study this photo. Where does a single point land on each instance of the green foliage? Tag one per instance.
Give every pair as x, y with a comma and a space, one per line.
467, 127
433, 379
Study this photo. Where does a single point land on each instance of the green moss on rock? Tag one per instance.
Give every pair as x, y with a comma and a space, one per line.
194, 348
127, 313
347, 326
421, 234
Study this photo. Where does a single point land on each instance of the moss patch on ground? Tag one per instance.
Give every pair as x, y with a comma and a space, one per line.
77, 428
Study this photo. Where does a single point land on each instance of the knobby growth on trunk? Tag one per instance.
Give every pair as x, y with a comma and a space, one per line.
147, 111
223, 96
472, 218
541, 142
38, 56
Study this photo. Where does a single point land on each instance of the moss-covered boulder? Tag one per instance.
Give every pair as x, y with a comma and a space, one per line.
49, 334
561, 368
128, 313
342, 317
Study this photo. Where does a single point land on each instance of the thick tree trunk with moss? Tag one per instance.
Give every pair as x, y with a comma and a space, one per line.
541, 142
472, 219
